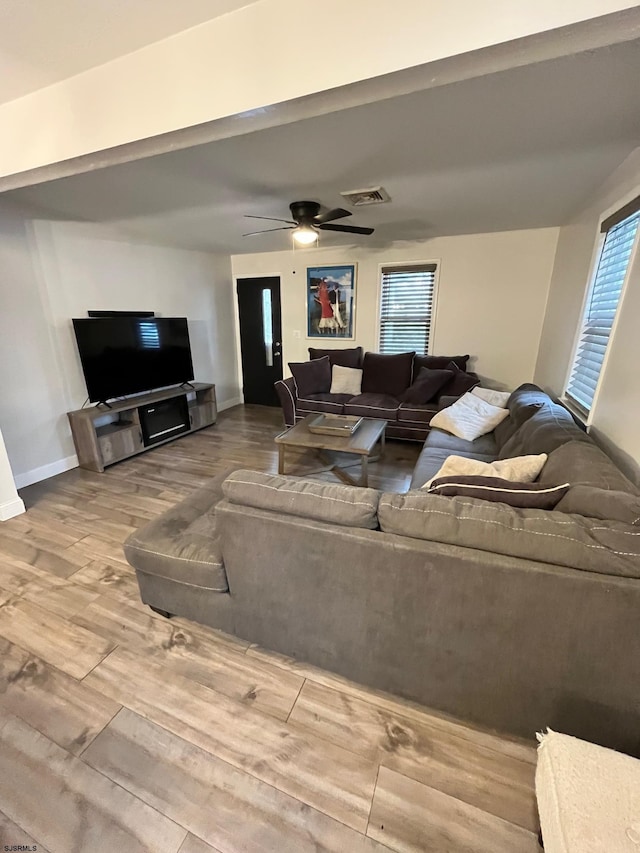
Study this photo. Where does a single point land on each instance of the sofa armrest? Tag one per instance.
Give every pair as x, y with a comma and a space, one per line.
445, 401
286, 391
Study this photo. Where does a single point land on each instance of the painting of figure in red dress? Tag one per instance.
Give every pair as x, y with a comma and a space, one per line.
331, 301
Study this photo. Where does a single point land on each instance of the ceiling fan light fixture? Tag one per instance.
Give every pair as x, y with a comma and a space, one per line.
305, 235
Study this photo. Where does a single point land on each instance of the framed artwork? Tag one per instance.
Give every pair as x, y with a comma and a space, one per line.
331, 292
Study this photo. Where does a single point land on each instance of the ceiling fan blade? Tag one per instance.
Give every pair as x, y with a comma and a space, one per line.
271, 218
350, 229
330, 215
269, 230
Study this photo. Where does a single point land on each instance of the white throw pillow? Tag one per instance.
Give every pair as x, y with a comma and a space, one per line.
346, 380
496, 398
519, 469
469, 417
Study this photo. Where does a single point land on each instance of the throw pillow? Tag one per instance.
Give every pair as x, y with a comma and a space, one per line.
522, 495
346, 357
460, 383
496, 398
386, 374
311, 377
439, 362
346, 380
520, 469
426, 386
469, 417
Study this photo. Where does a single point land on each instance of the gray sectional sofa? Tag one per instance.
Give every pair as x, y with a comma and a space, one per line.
515, 619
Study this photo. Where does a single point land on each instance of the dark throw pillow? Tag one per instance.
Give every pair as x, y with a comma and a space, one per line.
386, 374
460, 383
426, 386
311, 377
349, 357
520, 495
438, 362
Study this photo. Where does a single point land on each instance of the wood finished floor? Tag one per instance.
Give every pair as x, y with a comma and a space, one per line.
121, 730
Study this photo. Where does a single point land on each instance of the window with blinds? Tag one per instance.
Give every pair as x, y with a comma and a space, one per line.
406, 308
620, 232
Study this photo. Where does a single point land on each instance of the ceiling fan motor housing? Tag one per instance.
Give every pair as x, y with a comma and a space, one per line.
304, 211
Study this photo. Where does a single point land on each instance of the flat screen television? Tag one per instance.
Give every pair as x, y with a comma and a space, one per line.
127, 355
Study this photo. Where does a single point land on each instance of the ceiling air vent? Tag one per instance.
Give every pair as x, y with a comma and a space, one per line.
371, 195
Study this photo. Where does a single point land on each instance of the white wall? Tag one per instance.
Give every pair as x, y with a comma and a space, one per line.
10, 503
255, 57
492, 292
616, 411
51, 272
31, 394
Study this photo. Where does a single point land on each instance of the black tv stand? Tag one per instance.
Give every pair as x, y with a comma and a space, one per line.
188, 384
103, 403
127, 433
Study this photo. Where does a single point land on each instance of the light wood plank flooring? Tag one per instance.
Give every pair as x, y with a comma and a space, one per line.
121, 730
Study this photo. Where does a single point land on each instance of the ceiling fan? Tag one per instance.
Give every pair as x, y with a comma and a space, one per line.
307, 220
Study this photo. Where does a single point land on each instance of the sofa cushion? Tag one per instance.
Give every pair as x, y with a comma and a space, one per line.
346, 357
410, 413
346, 380
332, 404
503, 432
602, 503
460, 383
386, 374
583, 463
373, 406
524, 402
497, 490
347, 506
523, 469
425, 386
183, 544
311, 377
437, 362
527, 394
605, 547
483, 446
432, 459
544, 431
469, 417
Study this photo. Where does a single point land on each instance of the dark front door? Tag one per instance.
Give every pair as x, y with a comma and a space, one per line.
260, 338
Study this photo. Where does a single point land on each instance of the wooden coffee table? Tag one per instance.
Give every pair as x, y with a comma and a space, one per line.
361, 443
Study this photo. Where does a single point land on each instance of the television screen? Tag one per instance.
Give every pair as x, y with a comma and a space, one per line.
126, 355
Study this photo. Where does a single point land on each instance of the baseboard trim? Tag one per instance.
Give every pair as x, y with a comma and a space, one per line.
45, 471
11, 508
229, 404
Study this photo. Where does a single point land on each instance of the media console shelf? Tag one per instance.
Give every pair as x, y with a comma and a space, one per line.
103, 435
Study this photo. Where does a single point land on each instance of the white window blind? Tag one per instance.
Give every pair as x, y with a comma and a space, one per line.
601, 307
406, 309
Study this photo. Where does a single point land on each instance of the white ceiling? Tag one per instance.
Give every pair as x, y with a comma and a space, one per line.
519, 149
44, 41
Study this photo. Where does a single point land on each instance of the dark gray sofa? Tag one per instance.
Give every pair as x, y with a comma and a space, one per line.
381, 396
514, 619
